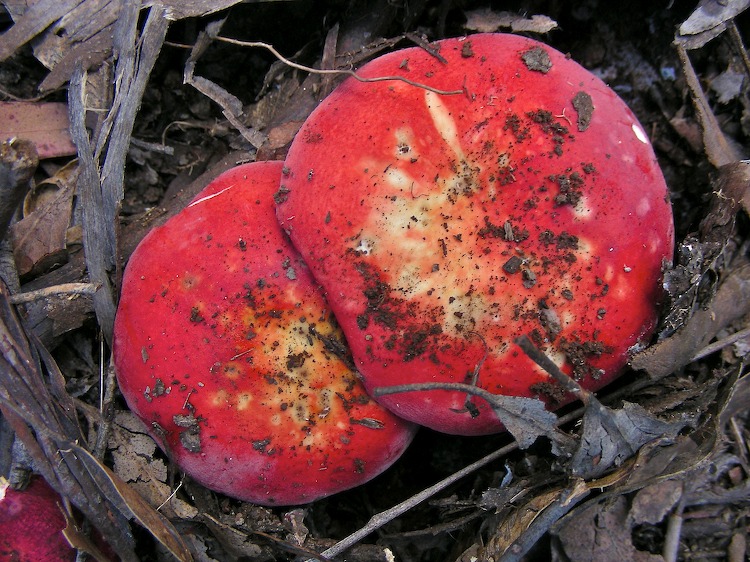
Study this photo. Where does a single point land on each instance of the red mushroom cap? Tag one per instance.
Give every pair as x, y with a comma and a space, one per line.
31, 524
445, 226
225, 347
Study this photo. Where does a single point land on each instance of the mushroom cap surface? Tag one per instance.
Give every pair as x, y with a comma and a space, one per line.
444, 226
225, 347
31, 524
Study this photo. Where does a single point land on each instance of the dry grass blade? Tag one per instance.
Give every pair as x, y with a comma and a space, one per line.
339, 72
26, 398
44, 419
101, 193
148, 517
718, 148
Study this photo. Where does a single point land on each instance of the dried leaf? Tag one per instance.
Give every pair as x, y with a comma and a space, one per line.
525, 418
600, 531
158, 525
515, 535
81, 541
654, 502
731, 302
728, 85
133, 456
609, 437
737, 400
719, 149
40, 238
44, 124
711, 14
485, 20
181, 9
18, 163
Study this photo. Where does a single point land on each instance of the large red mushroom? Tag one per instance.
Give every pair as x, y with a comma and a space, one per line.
32, 523
225, 347
498, 190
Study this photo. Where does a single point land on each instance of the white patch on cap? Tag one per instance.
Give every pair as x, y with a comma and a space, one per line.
220, 398
567, 318
364, 247
396, 178
654, 244
444, 123
584, 250
609, 274
643, 207
639, 134
405, 145
243, 400
583, 210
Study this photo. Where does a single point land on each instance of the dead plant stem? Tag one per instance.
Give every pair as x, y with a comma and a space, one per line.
64, 289
292, 64
380, 519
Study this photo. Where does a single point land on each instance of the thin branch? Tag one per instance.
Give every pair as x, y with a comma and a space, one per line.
292, 64
380, 519
553, 370
721, 344
674, 530
64, 289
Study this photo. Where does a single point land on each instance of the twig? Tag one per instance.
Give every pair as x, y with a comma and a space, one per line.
231, 106
160, 148
734, 33
101, 184
347, 72
718, 149
380, 519
553, 370
56, 290
427, 386
568, 499
674, 530
721, 344
423, 43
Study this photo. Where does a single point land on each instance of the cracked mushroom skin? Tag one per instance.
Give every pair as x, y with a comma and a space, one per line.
225, 347
444, 226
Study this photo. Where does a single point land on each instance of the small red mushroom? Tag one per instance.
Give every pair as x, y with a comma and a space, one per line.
443, 225
225, 347
31, 524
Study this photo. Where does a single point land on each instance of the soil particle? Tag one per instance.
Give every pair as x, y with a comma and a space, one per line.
513, 265
551, 390
584, 105
537, 59
579, 354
